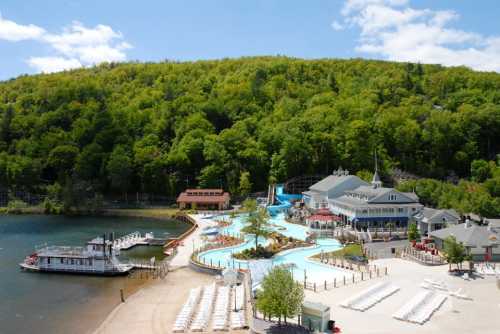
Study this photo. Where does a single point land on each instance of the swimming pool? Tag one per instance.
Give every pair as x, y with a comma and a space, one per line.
297, 257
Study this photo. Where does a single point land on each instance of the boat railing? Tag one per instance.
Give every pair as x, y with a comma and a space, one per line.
57, 250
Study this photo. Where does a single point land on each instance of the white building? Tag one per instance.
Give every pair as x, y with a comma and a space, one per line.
429, 219
363, 205
330, 187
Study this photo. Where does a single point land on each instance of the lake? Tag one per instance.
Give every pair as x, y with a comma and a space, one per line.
59, 303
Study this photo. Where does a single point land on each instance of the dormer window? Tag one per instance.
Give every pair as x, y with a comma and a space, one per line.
392, 197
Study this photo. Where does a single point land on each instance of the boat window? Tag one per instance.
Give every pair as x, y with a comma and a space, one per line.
62, 260
48, 260
72, 261
90, 262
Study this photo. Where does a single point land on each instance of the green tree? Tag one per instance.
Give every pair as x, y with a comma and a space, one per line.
480, 170
250, 206
62, 158
119, 168
413, 233
257, 224
454, 252
365, 175
245, 184
281, 296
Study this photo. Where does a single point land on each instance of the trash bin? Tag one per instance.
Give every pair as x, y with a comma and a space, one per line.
331, 325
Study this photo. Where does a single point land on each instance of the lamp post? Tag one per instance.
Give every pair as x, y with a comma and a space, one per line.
234, 287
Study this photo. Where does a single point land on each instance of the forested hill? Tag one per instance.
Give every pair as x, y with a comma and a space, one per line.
157, 127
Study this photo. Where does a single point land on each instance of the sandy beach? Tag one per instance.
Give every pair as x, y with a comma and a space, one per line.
153, 308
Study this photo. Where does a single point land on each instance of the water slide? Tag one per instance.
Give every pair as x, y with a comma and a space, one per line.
283, 201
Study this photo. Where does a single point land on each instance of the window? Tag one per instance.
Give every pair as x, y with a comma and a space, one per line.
48, 260
62, 260
72, 261
392, 197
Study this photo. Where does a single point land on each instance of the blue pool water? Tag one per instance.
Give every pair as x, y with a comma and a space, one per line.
298, 257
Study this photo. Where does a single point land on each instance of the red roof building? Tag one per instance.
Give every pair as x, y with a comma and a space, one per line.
323, 218
204, 199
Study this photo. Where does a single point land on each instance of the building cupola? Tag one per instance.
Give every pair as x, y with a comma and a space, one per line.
376, 182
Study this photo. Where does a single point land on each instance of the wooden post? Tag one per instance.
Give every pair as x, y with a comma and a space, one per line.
314, 286
370, 274
344, 279
335, 282
361, 276
122, 297
325, 286
386, 271
353, 278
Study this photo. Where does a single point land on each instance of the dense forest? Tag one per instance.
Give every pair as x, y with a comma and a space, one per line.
240, 123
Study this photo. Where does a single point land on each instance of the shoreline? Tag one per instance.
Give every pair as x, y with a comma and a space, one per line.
153, 213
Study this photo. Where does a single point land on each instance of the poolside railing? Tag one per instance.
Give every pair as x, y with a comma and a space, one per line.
356, 277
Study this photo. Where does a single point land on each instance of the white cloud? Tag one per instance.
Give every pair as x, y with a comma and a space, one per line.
76, 46
337, 26
53, 64
355, 5
89, 45
394, 30
13, 32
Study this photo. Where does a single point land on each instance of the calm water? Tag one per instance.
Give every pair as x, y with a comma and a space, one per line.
55, 303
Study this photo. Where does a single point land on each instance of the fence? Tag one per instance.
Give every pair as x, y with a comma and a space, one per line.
345, 280
422, 257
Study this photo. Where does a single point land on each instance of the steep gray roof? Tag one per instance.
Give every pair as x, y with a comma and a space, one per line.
331, 181
356, 202
431, 214
370, 191
373, 193
472, 236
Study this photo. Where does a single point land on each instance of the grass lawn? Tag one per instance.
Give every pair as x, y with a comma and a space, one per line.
348, 250
148, 213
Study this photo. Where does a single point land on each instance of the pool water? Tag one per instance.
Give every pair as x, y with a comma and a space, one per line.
298, 256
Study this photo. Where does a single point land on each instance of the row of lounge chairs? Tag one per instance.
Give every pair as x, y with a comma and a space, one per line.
487, 269
238, 319
371, 296
421, 307
184, 317
220, 317
200, 322
432, 285
206, 299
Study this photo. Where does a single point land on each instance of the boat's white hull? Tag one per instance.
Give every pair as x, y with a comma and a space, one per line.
122, 270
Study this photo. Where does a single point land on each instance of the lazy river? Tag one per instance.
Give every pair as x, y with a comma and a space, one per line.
298, 257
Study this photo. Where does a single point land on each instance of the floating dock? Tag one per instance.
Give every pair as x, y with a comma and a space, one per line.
131, 240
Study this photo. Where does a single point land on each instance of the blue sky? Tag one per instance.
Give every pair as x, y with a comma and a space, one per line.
52, 35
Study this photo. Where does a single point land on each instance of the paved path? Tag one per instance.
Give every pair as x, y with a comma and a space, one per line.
181, 259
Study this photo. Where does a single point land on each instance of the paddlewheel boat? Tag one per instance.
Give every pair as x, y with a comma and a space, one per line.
98, 257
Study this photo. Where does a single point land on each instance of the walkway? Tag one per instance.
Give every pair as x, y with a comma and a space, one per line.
181, 259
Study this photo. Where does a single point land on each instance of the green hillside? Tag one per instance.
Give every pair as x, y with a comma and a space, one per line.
157, 127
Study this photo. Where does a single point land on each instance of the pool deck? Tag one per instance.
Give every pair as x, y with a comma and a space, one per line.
479, 315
